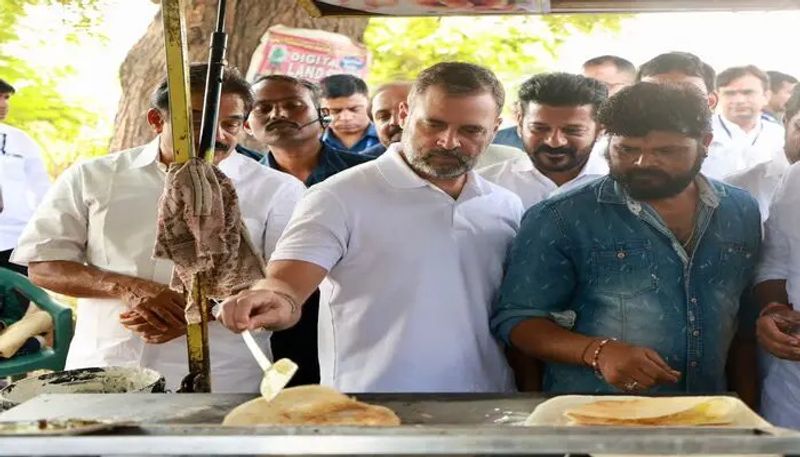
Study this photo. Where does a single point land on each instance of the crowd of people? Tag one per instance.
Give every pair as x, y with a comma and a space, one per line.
632, 231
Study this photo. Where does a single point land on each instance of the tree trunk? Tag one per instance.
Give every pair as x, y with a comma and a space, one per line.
144, 67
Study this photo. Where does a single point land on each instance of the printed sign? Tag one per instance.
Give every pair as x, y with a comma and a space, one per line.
307, 54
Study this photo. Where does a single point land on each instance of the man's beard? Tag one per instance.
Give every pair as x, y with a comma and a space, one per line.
425, 163
652, 183
572, 158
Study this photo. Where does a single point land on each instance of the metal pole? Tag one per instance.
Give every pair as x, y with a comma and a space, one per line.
216, 64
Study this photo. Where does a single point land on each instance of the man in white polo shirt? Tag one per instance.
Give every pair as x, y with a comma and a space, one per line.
23, 180
411, 249
556, 117
94, 234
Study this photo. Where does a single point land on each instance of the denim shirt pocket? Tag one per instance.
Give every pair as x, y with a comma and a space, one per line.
737, 261
624, 270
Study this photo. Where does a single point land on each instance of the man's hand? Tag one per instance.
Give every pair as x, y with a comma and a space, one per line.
257, 308
134, 322
161, 307
778, 331
634, 368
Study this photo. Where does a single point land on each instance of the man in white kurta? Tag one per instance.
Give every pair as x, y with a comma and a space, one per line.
556, 117
778, 287
409, 249
99, 221
778, 272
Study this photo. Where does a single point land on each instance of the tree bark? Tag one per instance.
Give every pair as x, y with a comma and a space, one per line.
144, 67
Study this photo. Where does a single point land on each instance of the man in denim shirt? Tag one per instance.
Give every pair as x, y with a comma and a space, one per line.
632, 282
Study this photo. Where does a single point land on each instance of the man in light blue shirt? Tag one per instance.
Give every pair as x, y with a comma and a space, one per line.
633, 282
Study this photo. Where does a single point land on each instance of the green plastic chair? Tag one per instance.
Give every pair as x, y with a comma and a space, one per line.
48, 358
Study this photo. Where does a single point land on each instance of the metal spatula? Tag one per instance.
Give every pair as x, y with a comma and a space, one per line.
276, 375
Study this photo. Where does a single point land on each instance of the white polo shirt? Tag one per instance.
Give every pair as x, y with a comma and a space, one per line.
532, 186
103, 213
23, 182
733, 150
780, 260
411, 277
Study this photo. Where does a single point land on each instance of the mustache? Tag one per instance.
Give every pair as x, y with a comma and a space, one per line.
564, 150
394, 131
456, 153
647, 173
280, 122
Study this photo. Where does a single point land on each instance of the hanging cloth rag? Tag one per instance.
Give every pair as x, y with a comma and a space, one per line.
200, 229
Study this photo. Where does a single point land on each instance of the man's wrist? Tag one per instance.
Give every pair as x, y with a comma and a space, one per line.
774, 307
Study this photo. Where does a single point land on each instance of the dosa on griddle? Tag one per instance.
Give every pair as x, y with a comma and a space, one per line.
310, 405
662, 411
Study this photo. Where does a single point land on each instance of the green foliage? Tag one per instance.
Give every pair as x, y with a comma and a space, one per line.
38, 107
512, 46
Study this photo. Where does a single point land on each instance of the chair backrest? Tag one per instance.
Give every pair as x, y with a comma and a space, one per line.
62, 316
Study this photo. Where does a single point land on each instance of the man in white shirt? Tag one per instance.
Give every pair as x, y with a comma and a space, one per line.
778, 287
778, 275
385, 109
94, 234
557, 119
742, 138
23, 180
409, 249
763, 179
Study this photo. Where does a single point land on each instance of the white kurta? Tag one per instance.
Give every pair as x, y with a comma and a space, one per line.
412, 274
531, 186
23, 182
103, 213
762, 180
780, 260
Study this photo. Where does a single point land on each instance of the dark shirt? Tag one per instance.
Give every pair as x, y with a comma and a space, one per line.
369, 139
331, 161
508, 136
374, 151
255, 155
299, 343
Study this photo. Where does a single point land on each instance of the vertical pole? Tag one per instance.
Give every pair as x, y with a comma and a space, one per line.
172, 12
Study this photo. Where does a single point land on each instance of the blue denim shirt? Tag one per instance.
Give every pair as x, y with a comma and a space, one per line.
509, 137
369, 139
602, 264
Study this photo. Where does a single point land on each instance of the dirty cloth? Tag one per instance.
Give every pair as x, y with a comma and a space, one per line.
200, 229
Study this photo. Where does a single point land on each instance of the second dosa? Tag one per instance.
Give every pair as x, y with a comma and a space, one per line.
675, 411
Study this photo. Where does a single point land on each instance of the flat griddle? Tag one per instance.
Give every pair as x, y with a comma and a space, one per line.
434, 424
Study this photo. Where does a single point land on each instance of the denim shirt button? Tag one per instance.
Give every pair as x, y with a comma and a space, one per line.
693, 301
693, 364
696, 333
621, 255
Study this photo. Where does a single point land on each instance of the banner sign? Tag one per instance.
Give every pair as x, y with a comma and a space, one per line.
307, 54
